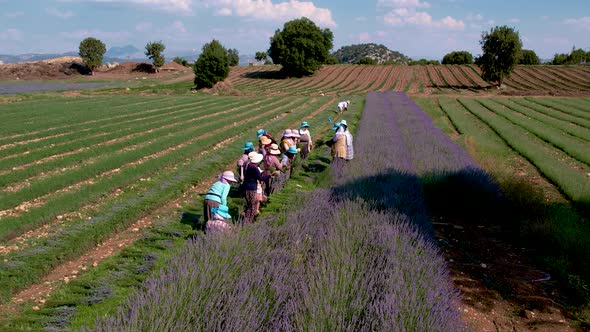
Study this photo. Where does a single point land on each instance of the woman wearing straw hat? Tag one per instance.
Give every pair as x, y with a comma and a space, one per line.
305, 140
252, 175
286, 140
274, 167
248, 147
218, 223
217, 194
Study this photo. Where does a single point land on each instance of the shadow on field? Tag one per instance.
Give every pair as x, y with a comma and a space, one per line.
493, 240
267, 74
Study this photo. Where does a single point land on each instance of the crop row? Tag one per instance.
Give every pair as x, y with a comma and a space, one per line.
172, 146
352, 79
25, 266
548, 159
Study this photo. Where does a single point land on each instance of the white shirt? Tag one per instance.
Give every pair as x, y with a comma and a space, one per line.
342, 105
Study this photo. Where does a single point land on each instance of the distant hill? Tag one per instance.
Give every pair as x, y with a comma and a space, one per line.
353, 53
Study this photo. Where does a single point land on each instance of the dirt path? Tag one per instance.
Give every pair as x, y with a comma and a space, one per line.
501, 288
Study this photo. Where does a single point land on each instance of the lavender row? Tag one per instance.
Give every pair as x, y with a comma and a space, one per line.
339, 267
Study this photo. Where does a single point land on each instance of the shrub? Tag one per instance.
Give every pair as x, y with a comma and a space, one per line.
212, 66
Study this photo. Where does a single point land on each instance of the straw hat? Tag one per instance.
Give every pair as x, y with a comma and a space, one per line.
229, 176
343, 123
274, 149
287, 133
255, 157
265, 140
295, 133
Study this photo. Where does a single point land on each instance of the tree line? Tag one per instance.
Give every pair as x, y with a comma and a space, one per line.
301, 48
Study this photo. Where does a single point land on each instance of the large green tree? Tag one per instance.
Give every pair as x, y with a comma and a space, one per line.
234, 57
261, 56
154, 51
91, 51
458, 58
301, 47
212, 66
528, 57
501, 51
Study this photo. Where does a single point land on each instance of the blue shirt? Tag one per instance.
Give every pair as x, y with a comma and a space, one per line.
218, 192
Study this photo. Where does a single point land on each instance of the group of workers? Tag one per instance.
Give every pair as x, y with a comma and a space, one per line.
265, 168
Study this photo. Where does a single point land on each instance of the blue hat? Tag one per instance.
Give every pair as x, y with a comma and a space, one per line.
336, 126
292, 149
304, 124
248, 146
221, 210
260, 132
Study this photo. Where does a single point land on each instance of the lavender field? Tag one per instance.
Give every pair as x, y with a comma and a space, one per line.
356, 256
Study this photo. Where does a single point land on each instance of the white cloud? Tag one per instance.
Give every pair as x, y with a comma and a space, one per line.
11, 34
61, 14
403, 3
514, 20
582, 22
267, 10
14, 14
404, 16
144, 26
178, 27
172, 6
360, 19
364, 37
474, 17
105, 36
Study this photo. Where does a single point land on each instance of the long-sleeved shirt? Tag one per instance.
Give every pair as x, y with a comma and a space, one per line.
218, 192
252, 175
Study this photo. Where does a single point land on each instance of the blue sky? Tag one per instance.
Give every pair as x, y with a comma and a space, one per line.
417, 28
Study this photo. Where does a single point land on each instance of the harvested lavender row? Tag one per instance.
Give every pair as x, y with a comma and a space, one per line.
453, 183
383, 173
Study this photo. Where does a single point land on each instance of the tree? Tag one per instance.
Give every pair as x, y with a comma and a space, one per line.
458, 58
501, 51
153, 50
261, 56
234, 57
212, 66
301, 47
529, 57
91, 51
180, 61
366, 61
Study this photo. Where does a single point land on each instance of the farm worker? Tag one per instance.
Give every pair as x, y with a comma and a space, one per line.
295, 137
264, 144
217, 194
252, 175
286, 140
348, 137
274, 168
287, 160
218, 223
248, 147
305, 139
339, 141
343, 106
261, 132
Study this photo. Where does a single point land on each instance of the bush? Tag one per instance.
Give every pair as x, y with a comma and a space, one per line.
212, 66
458, 58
